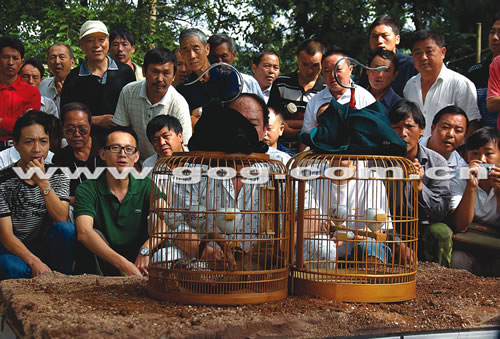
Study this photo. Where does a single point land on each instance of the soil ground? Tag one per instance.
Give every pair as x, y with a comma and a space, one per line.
58, 306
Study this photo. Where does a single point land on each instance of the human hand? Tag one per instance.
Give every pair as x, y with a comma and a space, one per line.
209, 253
40, 164
473, 179
127, 268
494, 179
142, 263
421, 173
38, 267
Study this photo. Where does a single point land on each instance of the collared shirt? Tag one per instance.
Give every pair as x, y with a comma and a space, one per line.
267, 93
49, 106
14, 101
134, 109
125, 223
389, 99
362, 96
455, 160
485, 206
85, 72
286, 89
250, 85
48, 89
449, 88
276, 154
138, 72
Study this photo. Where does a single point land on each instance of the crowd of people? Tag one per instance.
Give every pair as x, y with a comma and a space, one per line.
109, 112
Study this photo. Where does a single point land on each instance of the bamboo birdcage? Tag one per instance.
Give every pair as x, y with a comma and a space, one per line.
226, 233
355, 226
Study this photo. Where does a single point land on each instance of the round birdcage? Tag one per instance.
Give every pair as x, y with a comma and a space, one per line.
354, 228
220, 225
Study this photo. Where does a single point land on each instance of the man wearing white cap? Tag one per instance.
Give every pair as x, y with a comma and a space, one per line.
98, 80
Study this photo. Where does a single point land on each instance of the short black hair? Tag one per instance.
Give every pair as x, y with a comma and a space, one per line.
259, 100
121, 129
75, 106
220, 38
68, 47
30, 118
161, 121
481, 137
258, 57
12, 42
425, 34
384, 20
384, 54
335, 50
35, 63
405, 108
451, 109
122, 33
159, 55
311, 47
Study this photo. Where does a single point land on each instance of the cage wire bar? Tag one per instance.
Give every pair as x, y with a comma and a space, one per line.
222, 225
354, 232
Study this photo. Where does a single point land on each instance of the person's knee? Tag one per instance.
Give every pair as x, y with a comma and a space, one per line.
13, 267
462, 260
64, 229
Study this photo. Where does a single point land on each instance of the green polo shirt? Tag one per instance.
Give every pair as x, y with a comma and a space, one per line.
125, 224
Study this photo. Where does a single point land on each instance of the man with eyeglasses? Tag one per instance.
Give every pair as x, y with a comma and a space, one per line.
112, 212
82, 151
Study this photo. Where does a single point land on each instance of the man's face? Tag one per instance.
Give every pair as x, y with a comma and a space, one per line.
30, 75
158, 78
121, 50
273, 131
59, 61
33, 144
76, 129
10, 62
383, 36
487, 154
182, 68
251, 110
95, 46
428, 57
121, 159
449, 133
494, 38
382, 79
195, 54
409, 131
166, 142
221, 53
344, 71
267, 70
309, 65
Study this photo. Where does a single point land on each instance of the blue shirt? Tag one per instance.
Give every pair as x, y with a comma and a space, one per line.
389, 99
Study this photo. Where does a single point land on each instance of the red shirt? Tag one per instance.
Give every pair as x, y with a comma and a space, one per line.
14, 101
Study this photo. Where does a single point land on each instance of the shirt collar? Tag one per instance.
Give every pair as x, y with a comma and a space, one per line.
15, 85
143, 94
84, 70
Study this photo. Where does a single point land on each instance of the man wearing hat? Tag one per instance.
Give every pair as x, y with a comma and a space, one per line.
98, 80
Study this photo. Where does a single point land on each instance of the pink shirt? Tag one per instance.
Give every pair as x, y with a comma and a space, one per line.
494, 82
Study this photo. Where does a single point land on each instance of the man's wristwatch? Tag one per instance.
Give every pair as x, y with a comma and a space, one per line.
144, 251
46, 191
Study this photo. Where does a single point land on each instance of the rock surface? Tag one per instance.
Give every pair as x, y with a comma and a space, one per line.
58, 306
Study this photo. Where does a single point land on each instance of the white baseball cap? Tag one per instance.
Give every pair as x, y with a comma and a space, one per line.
93, 26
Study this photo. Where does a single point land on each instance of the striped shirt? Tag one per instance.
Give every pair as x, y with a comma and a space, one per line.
286, 89
24, 203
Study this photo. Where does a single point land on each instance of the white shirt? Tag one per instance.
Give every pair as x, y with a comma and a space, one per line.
250, 85
134, 109
48, 89
276, 154
450, 88
150, 162
485, 207
362, 96
455, 160
267, 93
49, 106
10, 155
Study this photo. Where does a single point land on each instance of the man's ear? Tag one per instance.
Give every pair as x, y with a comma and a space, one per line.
101, 153
398, 39
144, 72
443, 50
432, 128
254, 68
72, 62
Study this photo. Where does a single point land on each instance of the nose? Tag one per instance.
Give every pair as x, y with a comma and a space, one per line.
192, 54
483, 158
380, 41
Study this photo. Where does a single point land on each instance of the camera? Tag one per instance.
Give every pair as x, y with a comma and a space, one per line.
489, 167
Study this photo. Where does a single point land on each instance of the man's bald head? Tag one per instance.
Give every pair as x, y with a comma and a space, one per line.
252, 107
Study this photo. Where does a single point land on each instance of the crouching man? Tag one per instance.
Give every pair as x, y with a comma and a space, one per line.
35, 236
112, 212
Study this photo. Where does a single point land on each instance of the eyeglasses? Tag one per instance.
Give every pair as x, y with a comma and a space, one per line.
72, 130
115, 148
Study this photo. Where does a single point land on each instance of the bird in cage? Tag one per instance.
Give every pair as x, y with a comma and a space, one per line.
352, 218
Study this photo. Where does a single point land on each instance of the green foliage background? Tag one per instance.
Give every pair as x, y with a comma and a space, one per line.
255, 24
